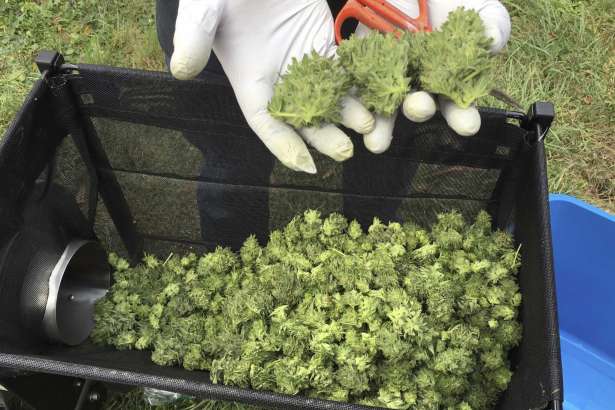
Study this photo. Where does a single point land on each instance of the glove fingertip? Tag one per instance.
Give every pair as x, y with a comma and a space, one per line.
464, 121
467, 129
498, 25
302, 162
356, 117
419, 106
330, 141
365, 126
376, 146
282, 141
310, 169
185, 67
379, 140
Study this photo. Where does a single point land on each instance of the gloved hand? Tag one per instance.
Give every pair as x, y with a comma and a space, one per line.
255, 41
420, 106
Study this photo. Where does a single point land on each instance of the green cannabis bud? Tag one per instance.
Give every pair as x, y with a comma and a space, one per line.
378, 65
310, 92
455, 60
397, 316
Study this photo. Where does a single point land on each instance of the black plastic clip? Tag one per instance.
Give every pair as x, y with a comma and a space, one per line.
539, 119
49, 62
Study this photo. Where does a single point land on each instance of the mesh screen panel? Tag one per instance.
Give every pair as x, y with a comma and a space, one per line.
192, 175
191, 211
203, 188
106, 232
70, 172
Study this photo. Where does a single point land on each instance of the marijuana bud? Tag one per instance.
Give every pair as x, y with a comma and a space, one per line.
378, 65
309, 94
455, 60
397, 317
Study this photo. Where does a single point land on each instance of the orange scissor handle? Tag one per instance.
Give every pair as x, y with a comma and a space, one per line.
382, 16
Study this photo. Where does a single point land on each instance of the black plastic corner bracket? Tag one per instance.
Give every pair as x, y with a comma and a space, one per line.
49, 62
540, 117
543, 113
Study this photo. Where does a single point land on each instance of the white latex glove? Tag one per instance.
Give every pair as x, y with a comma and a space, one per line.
420, 106
255, 41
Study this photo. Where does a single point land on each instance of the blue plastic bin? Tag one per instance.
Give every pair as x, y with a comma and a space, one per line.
584, 252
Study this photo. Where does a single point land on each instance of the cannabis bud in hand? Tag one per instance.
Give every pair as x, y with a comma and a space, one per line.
455, 61
379, 66
310, 93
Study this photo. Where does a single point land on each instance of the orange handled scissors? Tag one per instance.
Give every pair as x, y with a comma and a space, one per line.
382, 16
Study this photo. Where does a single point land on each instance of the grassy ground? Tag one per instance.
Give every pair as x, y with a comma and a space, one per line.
564, 51
107, 32
561, 50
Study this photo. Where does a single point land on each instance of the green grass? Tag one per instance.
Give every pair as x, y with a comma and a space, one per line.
564, 51
112, 32
561, 51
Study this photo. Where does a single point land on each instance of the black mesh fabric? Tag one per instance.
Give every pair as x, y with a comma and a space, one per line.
179, 170
538, 372
71, 173
25, 153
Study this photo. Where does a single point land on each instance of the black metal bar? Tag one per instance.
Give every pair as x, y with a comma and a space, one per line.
113, 197
502, 203
92, 153
50, 64
67, 115
538, 120
83, 396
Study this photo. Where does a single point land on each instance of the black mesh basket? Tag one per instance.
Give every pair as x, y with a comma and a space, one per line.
156, 165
